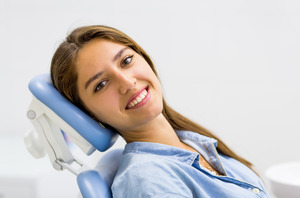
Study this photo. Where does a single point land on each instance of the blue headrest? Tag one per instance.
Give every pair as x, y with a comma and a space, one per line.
42, 88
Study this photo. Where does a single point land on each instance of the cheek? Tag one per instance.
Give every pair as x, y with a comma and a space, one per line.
146, 72
105, 108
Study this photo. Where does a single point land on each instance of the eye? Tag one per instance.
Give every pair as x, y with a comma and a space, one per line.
100, 85
127, 60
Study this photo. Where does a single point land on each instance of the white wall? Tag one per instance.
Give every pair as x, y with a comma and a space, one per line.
232, 66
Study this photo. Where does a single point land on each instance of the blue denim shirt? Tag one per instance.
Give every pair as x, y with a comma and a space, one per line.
158, 170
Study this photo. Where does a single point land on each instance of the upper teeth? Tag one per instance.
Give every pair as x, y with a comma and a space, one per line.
138, 99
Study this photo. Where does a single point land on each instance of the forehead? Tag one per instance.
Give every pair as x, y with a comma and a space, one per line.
96, 50
96, 54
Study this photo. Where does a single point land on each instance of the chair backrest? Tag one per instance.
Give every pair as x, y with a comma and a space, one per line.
97, 183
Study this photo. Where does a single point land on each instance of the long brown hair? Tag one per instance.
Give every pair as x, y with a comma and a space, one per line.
64, 77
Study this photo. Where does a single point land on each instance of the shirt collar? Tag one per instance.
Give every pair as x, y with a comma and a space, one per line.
170, 152
196, 137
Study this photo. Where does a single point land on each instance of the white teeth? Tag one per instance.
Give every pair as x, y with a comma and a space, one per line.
138, 99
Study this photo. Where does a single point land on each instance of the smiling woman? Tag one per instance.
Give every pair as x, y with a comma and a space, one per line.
117, 76
109, 76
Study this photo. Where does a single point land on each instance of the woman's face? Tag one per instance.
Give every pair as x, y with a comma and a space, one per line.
117, 85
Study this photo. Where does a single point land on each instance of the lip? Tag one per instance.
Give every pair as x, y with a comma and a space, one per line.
137, 94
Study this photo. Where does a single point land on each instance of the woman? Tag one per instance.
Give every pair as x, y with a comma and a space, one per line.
109, 76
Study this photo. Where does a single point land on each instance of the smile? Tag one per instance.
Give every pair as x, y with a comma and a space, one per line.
139, 99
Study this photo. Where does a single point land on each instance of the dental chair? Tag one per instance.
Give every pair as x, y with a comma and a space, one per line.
54, 118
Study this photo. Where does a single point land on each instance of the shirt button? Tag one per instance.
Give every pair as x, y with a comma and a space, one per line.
255, 190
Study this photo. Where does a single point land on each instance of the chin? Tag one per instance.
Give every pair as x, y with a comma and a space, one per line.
153, 113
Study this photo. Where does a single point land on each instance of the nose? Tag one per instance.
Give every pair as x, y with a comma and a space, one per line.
126, 82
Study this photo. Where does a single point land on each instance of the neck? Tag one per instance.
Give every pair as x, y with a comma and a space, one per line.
158, 131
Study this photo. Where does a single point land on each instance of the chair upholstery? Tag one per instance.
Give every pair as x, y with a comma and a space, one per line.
97, 183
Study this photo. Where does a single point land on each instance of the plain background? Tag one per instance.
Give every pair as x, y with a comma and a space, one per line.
233, 66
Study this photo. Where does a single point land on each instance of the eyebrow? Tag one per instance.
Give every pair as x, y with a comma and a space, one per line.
116, 57
92, 79
119, 54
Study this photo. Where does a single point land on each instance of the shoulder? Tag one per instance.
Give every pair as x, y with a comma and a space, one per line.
146, 175
143, 167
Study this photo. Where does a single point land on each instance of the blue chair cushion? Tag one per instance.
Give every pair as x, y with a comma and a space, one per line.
92, 185
97, 183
